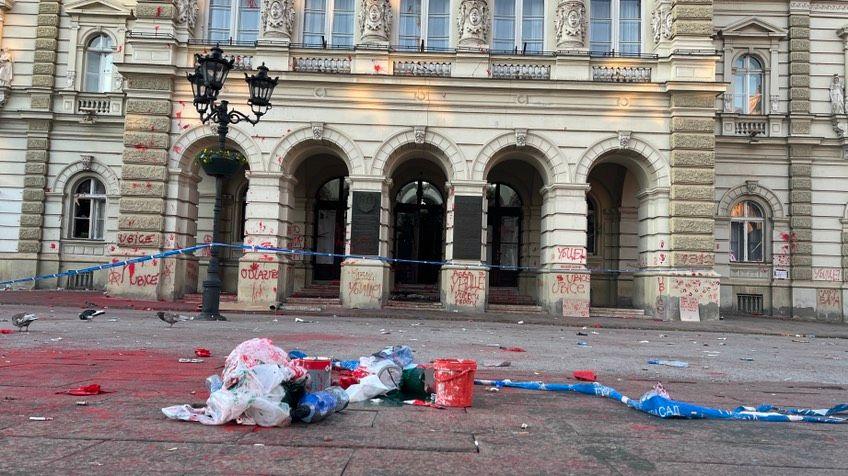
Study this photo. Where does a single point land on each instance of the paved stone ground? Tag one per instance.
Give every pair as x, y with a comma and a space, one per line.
135, 357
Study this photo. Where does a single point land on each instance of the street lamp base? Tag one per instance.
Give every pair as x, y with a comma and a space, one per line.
211, 316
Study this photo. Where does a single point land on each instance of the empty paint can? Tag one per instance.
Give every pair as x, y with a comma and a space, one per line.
319, 369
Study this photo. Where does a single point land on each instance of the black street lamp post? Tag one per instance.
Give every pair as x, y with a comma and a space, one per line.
210, 73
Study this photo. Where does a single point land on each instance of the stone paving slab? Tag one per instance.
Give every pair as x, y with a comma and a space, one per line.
28, 454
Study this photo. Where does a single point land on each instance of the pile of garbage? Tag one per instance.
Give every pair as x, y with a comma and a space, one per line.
263, 385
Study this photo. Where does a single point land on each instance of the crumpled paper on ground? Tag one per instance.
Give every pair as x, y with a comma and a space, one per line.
252, 393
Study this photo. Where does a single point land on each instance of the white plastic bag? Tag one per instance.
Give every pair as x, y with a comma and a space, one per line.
367, 388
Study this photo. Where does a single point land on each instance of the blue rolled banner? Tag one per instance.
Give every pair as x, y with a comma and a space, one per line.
658, 403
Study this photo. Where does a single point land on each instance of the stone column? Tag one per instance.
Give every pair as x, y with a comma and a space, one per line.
564, 279
144, 174
691, 24
365, 279
277, 20
464, 283
693, 290
39, 120
264, 278
570, 25
474, 20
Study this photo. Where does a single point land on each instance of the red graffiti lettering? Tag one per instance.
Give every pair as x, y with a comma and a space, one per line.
571, 284
467, 287
364, 283
827, 274
570, 254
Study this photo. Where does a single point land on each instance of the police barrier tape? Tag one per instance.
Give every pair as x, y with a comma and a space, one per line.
658, 403
300, 252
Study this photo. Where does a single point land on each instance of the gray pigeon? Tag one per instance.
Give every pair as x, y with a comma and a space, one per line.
89, 314
23, 320
170, 317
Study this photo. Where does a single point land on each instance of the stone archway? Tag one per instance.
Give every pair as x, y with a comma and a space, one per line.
447, 152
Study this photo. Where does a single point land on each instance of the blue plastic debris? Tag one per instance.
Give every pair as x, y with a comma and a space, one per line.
297, 354
658, 403
669, 363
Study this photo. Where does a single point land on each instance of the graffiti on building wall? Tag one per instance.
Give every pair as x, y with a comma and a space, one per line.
569, 255
704, 289
140, 274
467, 288
364, 284
827, 274
829, 299
575, 307
576, 284
696, 259
136, 238
261, 280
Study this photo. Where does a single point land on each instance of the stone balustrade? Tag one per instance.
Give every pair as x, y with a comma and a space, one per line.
621, 74
321, 65
520, 71
422, 68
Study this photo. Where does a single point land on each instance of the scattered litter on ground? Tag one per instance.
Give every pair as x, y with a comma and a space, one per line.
40, 418
582, 334
190, 361
422, 403
524, 426
521, 322
669, 363
112, 320
658, 403
493, 389
496, 363
82, 403
57, 339
174, 448
582, 344
384, 331
7, 331
201, 352
84, 391
585, 375
644, 342
747, 359
511, 349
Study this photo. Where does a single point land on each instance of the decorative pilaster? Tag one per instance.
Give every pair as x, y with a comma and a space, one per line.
570, 25
277, 20
365, 281
144, 175
691, 24
692, 208
473, 22
375, 22
465, 282
799, 68
661, 22
564, 279
264, 277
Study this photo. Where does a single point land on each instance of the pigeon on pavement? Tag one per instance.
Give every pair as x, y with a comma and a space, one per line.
170, 317
23, 320
89, 314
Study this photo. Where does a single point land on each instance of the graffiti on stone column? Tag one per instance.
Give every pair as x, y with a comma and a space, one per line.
297, 241
696, 259
569, 255
571, 284
703, 289
261, 279
137, 274
364, 283
467, 288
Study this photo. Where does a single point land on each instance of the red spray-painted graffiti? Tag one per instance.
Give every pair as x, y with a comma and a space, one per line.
467, 287
571, 284
570, 255
364, 283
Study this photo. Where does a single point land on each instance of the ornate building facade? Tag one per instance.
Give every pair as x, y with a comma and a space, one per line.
671, 156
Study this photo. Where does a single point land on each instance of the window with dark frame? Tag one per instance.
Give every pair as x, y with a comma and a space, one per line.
88, 205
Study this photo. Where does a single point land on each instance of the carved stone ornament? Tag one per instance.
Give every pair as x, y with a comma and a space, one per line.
728, 102
420, 133
5, 68
473, 23
375, 21
318, 130
71, 80
774, 107
187, 12
624, 138
521, 137
277, 19
752, 186
837, 95
661, 21
86, 161
570, 24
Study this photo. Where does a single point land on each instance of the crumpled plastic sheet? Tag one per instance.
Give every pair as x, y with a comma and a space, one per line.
657, 402
252, 391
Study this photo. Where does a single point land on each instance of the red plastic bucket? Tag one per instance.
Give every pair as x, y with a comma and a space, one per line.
318, 369
454, 382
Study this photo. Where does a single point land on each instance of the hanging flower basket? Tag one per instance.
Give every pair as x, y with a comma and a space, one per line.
217, 162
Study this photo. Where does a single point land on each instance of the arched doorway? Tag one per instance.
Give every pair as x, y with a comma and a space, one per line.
419, 230
504, 234
329, 229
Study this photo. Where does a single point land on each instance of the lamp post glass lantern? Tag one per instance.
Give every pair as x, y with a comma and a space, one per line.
207, 80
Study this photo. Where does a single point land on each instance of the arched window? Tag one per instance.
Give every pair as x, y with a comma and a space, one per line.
233, 19
420, 193
591, 237
748, 74
98, 65
615, 26
747, 229
88, 209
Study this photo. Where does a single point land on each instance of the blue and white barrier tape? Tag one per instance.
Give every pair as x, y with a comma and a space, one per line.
300, 252
658, 403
